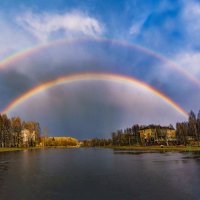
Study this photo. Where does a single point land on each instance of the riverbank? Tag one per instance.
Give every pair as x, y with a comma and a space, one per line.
158, 148
127, 148
7, 149
10, 149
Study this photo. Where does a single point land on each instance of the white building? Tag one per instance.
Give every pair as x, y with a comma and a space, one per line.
27, 137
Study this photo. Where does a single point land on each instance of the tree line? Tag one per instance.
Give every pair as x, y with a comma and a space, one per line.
59, 141
11, 132
187, 132
128, 136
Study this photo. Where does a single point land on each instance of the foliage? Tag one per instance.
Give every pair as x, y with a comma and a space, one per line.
190, 130
11, 132
186, 133
59, 141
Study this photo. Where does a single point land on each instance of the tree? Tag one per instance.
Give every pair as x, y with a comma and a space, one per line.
198, 125
136, 133
17, 129
192, 125
7, 131
182, 132
114, 138
11, 131
1, 131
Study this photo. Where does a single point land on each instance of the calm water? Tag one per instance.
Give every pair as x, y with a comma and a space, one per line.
98, 174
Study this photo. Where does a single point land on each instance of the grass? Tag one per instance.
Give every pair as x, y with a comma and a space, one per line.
133, 148
158, 148
9, 149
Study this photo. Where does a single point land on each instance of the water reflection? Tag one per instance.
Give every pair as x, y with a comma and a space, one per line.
132, 152
192, 155
4, 167
99, 174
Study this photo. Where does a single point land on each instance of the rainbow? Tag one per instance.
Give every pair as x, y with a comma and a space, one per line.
92, 76
29, 51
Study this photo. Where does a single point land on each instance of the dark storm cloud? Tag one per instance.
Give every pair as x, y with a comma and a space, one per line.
12, 84
92, 112
95, 109
48, 64
89, 55
165, 27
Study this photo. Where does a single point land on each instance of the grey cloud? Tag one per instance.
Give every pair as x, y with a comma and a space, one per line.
94, 111
95, 108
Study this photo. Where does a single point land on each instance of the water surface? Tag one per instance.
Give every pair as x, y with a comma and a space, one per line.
99, 174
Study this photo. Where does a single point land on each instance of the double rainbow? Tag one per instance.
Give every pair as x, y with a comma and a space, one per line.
92, 77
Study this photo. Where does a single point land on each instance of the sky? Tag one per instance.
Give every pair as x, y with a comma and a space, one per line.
155, 42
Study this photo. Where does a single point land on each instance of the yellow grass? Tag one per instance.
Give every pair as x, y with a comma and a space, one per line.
32, 148
158, 148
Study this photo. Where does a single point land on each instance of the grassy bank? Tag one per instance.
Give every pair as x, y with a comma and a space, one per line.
158, 148
133, 148
9, 149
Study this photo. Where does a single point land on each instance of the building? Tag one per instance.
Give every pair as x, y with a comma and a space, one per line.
171, 134
28, 138
156, 134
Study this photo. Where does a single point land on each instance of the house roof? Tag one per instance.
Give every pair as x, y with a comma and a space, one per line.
153, 126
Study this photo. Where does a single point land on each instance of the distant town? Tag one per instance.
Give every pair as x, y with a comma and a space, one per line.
15, 133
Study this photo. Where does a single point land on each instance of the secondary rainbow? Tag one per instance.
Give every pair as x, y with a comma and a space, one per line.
92, 76
29, 51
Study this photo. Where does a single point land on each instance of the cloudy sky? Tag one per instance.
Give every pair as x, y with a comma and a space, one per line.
155, 42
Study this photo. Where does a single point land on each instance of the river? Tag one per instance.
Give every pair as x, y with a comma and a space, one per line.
99, 174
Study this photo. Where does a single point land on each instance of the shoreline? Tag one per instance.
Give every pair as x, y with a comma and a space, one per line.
157, 148
120, 148
12, 149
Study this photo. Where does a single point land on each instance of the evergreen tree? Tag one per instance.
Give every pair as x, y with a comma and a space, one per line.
1, 131
17, 129
198, 125
192, 125
6, 131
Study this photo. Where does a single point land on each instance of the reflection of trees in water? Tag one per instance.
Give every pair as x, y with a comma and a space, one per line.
4, 166
192, 156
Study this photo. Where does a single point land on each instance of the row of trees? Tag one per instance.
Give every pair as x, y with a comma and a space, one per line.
11, 132
59, 141
95, 142
186, 132
129, 136
190, 130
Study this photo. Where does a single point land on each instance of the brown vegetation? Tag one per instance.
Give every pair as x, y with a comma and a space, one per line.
59, 141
